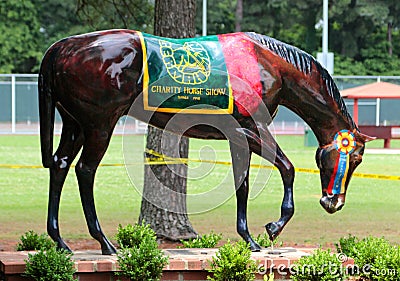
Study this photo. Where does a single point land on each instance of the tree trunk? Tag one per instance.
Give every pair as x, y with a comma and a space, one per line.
311, 39
239, 15
164, 191
389, 38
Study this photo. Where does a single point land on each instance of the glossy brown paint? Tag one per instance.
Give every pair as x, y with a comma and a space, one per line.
94, 79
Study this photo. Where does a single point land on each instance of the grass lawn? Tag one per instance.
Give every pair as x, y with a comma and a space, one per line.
372, 205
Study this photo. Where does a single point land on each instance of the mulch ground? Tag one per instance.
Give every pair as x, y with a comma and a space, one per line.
81, 244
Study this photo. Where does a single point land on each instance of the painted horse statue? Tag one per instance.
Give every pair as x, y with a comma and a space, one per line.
216, 87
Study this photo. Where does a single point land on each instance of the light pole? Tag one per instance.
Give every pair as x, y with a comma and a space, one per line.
325, 34
204, 17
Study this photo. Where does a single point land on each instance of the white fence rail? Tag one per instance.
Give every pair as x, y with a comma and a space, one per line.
11, 81
19, 105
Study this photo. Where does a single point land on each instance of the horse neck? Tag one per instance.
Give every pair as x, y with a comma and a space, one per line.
320, 112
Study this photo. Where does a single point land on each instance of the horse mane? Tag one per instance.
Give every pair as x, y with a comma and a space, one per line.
303, 62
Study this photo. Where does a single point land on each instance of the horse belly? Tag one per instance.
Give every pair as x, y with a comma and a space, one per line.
198, 126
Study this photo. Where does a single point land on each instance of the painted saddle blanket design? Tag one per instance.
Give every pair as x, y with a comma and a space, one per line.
200, 75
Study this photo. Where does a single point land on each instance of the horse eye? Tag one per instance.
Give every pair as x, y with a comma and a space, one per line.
358, 154
358, 158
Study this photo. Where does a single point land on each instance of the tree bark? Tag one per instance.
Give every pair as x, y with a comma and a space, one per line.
164, 192
389, 38
239, 15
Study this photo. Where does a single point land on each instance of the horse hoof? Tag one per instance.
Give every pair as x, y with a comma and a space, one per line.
62, 246
108, 250
254, 247
273, 230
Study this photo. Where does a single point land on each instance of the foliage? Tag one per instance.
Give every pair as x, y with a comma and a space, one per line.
232, 262
139, 257
19, 36
364, 34
142, 263
353, 22
348, 66
131, 236
264, 241
375, 258
320, 266
58, 19
31, 241
220, 16
205, 241
353, 26
269, 277
376, 57
132, 14
28, 28
49, 265
347, 245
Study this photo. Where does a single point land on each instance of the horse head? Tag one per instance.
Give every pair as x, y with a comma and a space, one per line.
337, 162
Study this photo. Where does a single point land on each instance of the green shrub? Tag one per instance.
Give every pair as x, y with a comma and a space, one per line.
205, 241
320, 266
141, 263
139, 257
264, 241
232, 262
49, 265
132, 235
374, 258
31, 241
347, 245
387, 265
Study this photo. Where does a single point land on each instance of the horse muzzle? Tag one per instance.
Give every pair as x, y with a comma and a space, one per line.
332, 203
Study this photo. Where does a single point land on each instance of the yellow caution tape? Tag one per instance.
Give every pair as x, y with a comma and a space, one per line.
160, 159
13, 166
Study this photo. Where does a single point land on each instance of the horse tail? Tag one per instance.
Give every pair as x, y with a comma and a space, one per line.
46, 108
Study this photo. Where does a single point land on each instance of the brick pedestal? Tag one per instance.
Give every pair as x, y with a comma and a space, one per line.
184, 264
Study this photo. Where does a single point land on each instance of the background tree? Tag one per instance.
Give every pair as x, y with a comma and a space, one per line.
393, 23
106, 14
167, 212
361, 32
364, 34
310, 11
59, 19
220, 16
20, 37
359, 36
289, 21
239, 15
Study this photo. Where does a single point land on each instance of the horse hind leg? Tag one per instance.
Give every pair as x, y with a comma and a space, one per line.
70, 143
241, 164
94, 148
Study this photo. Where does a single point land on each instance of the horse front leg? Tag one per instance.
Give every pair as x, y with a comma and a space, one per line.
286, 170
265, 145
241, 163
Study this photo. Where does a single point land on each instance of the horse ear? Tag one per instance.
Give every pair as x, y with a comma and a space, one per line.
364, 138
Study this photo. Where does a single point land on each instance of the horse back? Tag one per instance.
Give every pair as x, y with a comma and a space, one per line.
99, 70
